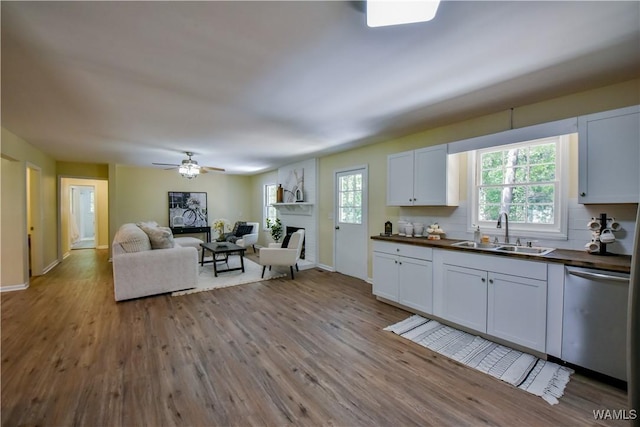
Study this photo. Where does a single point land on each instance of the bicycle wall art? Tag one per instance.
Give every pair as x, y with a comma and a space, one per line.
187, 209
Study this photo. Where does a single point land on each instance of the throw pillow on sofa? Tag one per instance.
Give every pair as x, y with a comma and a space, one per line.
160, 237
132, 238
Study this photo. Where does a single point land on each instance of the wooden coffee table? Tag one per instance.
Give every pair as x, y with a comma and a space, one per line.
225, 249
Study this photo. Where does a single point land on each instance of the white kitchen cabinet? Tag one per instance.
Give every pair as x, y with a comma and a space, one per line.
499, 296
385, 275
403, 274
424, 177
609, 152
465, 297
400, 179
517, 310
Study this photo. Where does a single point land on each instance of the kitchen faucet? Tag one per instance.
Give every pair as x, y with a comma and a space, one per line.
506, 225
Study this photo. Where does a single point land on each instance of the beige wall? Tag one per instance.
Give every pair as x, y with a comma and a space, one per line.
14, 260
141, 194
83, 170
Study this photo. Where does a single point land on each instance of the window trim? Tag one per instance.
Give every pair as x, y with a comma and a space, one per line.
556, 232
266, 205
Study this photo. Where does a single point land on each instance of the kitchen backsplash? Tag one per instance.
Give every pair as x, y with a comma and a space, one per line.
454, 221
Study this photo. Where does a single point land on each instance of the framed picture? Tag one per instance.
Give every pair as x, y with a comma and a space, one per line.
187, 209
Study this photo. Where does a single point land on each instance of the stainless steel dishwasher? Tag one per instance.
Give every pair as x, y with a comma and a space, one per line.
594, 326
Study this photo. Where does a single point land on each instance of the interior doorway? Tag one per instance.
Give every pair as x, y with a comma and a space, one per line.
82, 216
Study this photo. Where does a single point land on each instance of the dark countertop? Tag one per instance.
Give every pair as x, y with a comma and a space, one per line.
619, 263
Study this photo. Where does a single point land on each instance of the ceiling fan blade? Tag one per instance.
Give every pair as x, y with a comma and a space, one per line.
211, 168
165, 164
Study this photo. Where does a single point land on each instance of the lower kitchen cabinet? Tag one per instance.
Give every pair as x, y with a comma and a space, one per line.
510, 306
407, 280
464, 297
517, 310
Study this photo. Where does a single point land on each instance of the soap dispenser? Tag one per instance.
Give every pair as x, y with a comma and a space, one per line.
477, 236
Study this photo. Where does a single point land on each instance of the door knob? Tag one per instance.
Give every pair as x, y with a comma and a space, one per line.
337, 227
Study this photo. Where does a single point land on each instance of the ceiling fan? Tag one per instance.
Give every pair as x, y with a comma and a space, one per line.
189, 168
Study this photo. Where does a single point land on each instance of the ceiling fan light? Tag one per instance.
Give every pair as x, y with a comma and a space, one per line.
382, 13
189, 169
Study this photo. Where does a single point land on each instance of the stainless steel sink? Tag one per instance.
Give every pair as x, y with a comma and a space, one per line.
478, 246
500, 247
527, 250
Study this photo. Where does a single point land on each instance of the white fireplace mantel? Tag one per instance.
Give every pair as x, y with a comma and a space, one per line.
295, 208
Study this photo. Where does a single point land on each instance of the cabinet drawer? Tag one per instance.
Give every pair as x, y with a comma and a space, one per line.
497, 264
410, 251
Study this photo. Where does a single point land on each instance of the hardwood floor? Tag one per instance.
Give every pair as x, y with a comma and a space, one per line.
305, 352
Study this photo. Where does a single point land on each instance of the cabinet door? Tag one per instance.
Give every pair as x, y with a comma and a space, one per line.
385, 276
430, 176
400, 179
415, 281
464, 297
608, 156
517, 310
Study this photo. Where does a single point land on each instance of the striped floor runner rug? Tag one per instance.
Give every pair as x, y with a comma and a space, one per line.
532, 374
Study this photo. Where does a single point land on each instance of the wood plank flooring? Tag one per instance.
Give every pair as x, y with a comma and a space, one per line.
302, 352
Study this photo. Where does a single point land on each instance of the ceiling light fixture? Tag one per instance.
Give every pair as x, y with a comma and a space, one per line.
189, 168
381, 13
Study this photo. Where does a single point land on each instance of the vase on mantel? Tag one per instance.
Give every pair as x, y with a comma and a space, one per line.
280, 194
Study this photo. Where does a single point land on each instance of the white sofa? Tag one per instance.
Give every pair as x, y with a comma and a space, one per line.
250, 239
139, 270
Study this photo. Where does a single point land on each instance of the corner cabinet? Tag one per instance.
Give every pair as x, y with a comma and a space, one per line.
609, 154
424, 177
502, 297
403, 274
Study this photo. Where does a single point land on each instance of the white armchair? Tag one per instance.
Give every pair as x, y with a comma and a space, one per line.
250, 239
279, 256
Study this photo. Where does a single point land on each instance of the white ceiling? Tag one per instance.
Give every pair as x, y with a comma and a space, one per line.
250, 86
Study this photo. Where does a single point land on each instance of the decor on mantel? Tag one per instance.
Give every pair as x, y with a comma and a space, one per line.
293, 186
187, 209
280, 194
275, 228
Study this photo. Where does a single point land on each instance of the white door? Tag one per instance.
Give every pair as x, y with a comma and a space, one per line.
350, 251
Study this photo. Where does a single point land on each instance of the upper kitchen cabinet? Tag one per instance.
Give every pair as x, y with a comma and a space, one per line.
424, 177
609, 154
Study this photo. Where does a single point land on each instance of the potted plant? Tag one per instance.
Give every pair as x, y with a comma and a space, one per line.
276, 229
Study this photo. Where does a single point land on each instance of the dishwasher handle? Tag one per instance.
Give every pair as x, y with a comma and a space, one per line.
598, 276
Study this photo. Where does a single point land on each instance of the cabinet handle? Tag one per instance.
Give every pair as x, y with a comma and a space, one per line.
400, 262
490, 280
483, 280
583, 194
397, 249
395, 261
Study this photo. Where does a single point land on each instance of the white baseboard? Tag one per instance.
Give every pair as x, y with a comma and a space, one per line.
102, 247
326, 267
369, 280
66, 254
50, 267
12, 288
